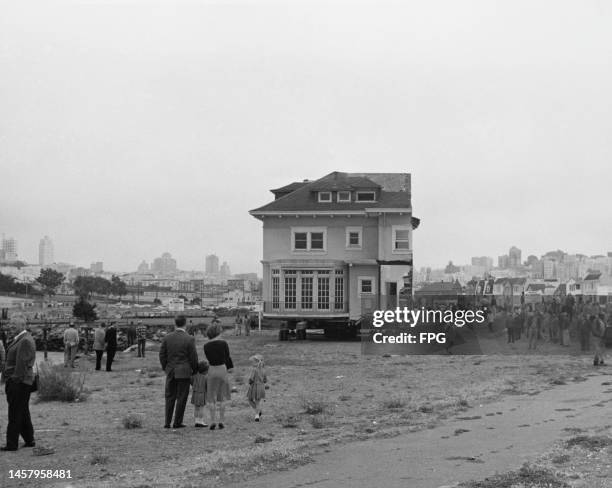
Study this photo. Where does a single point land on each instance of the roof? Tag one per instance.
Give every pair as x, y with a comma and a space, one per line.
536, 287
290, 187
440, 288
592, 276
393, 192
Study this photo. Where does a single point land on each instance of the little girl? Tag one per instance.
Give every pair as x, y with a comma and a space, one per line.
257, 389
198, 395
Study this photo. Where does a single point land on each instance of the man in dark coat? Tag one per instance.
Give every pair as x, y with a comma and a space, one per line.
111, 345
19, 374
179, 359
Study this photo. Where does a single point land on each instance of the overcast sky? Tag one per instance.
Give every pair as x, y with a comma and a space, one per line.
132, 128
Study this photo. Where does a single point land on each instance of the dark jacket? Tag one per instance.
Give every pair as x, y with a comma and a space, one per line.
178, 356
20, 358
111, 338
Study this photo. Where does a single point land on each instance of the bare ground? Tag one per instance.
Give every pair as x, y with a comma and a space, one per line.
349, 396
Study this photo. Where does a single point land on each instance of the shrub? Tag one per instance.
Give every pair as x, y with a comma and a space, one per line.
288, 420
319, 421
98, 458
316, 405
59, 384
133, 421
394, 403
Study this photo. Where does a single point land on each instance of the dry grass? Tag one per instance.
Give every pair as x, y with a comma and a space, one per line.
527, 477
320, 391
57, 383
133, 421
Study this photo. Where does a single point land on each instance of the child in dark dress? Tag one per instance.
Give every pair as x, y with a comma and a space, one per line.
198, 394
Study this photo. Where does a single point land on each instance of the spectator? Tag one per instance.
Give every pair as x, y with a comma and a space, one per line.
111, 345
132, 334
71, 345
179, 359
217, 384
19, 374
141, 335
99, 340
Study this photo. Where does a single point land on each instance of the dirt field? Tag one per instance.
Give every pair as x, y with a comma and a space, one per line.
321, 393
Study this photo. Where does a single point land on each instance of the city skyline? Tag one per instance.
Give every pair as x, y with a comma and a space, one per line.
164, 135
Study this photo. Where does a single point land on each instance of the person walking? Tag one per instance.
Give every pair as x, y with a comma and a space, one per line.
217, 384
141, 337
71, 345
179, 359
111, 345
98, 345
19, 374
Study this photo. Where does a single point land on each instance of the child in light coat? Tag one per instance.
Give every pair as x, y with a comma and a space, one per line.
257, 388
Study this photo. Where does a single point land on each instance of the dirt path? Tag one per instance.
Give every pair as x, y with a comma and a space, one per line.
486, 439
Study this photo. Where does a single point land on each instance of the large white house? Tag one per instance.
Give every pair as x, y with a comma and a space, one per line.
337, 247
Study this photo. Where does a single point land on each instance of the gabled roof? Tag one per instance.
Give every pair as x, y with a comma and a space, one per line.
536, 287
393, 192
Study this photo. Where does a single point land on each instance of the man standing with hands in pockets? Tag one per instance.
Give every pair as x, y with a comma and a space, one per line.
179, 359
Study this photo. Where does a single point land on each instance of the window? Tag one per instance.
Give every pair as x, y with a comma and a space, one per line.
305, 239
316, 241
323, 293
306, 292
366, 196
325, 196
290, 297
366, 285
339, 293
300, 240
344, 196
401, 238
353, 237
275, 292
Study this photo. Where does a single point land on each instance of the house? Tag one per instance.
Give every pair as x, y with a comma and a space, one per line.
336, 248
438, 293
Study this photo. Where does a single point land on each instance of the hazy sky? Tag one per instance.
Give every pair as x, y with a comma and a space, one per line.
132, 128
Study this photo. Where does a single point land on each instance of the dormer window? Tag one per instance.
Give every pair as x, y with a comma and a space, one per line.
325, 196
366, 196
344, 196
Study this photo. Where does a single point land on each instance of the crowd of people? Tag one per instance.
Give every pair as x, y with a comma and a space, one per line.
578, 322
207, 379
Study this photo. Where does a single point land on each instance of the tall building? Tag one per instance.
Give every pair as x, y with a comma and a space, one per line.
514, 257
45, 251
225, 270
211, 265
143, 267
164, 265
97, 267
9, 248
503, 262
483, 261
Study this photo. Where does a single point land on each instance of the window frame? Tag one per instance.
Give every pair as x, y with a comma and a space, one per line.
369, 192
360, 281
308, 231
394, 239
344, 200
348, 231
321, 200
